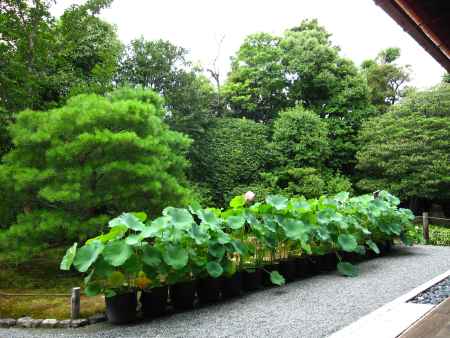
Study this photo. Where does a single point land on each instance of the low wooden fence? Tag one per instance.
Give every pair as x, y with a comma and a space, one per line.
425, 219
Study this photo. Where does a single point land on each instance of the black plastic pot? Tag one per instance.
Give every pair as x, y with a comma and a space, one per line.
154, 301
286, 268
302, 267
251, 279
121, 309
315, 264
232, 286
370, 254
350, 257
329, 262
182, 295
266, 274
208, 289
388, 246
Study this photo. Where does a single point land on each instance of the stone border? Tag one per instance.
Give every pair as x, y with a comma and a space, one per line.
393, 318
28, 322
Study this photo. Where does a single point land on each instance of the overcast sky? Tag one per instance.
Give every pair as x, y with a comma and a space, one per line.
359, 27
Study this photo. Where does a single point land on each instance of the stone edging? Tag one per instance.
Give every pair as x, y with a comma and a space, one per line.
393, 318
28, 322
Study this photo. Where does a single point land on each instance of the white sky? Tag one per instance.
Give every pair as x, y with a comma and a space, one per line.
359, 27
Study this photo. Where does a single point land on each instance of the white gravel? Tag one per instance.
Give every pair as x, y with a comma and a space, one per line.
308, 308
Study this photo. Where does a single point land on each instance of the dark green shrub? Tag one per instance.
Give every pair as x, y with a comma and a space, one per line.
233, 152
300, 139
74, 167
309, 182
407, 150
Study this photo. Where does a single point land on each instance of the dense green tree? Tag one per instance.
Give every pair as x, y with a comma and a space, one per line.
270, 74
386, 79
256, 85
74, 167
164, 68
300, 148
234, 152
305, 181
300, 139
407, 150
44, 59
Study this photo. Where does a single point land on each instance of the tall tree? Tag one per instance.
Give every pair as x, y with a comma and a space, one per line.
302, 67
74, 167
164, 68
256, 86
386, 79
44, 59
407, 150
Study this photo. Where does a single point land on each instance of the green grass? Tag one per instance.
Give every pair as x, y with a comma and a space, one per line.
439, 235
41, 275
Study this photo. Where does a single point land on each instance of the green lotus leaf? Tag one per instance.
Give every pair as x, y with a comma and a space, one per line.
134, 239
230, 268
347, 269
237, 202
214, 269
142, 216
181, 218
175, 256
277, 201
102, 268
129, 220
300, 205
293, 228
151, 256
209, 217
92, 290
88, 278
236, 222
342, 197
222, 237
116, 253
132, 265
347, 242
87, 255
68, 258
238, 247
115, 233
117, 279
156, 227
396, 228
373, 246
216, 249
323, 234
276, 278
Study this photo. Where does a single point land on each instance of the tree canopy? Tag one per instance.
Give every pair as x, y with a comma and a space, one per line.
73, 167
386, 78
44, 59
407, 150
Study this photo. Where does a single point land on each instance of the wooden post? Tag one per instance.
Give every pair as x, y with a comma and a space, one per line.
426, 229
75, 303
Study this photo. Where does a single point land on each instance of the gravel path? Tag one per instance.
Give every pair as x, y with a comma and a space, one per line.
313, 307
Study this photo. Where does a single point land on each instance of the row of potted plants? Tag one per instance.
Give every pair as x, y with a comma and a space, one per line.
217, 253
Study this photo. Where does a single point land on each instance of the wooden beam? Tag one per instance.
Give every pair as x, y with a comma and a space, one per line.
402, 18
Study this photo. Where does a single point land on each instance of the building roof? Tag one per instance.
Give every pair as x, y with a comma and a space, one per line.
427, 21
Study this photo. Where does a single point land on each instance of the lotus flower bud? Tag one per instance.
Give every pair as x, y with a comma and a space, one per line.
249, 196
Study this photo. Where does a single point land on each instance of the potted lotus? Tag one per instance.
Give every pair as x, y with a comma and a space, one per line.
152, 282
107, 274
113, 265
